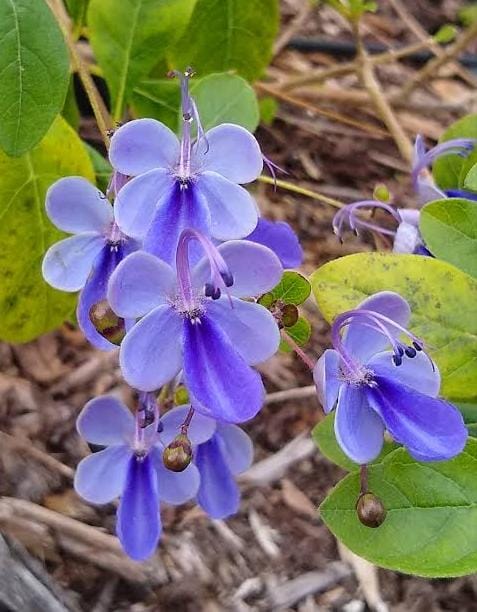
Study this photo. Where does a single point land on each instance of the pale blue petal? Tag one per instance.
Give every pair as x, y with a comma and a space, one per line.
237, 447
150, 354
230, 150
68, 263
250, 327
74, 205
141, 145
138, 200
140, 283
363, 342
106, 420
175, 487
233, 212
359, 430
255, 268
419, 372
101, 477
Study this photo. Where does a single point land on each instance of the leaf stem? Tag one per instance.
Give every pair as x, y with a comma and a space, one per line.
301, 190
102, 116
301, 353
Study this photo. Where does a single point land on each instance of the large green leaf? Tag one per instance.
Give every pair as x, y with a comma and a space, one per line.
431, 523
130, 37
34, 73
469, 412
449, 228
325, 439
443, 301
220, 98
229, 35
28, 306
449, 171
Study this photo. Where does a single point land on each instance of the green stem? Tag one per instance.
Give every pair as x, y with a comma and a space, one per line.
301, 191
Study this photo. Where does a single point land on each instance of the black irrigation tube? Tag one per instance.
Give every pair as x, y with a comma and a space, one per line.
345, 49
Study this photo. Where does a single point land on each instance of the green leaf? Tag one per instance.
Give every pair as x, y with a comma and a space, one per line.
220, 98
229, 35
159, 99
442, 299
28, 306
102, 168
226, 98
470, 181
469, 412
449, 171
130, 37
300, 333
268, 109
293, 288
446, 33
449, 229
431, 523
34, 73
324, 437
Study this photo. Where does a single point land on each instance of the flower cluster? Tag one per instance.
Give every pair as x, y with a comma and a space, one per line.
406, 237
169, 263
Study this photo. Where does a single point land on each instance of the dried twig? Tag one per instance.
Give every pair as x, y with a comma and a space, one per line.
297, 393
295, 25
103, 118
431, 69
384, 109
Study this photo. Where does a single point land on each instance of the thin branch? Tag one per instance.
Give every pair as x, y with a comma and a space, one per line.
318, 76
384, 109
301, 191
103, 118
431, 69
420, 33
284, 97
297, 393
296, 23
308, 361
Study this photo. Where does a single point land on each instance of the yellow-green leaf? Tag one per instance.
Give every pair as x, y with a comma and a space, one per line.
28, 306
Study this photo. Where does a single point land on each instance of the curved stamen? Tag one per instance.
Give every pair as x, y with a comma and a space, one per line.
220, 278
379, 323
189, 112
347, 215
422, 159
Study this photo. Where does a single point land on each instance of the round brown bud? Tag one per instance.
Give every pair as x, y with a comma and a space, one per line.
107, 323
370, 510
289, 315
178, 454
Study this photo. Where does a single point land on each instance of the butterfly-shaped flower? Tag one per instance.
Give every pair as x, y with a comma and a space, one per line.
131, 467
84, 261
377, 389
194, 320
186, 183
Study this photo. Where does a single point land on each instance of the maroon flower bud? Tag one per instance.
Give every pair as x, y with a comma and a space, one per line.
370, 510
107, 323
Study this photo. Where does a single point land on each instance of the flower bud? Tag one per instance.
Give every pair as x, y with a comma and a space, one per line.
289, 315
381, 193
107, 323
370, 510
178, 454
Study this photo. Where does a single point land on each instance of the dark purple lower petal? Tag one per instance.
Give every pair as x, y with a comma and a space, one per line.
430, 428
218, 494
220, 382
280, 238
138, 522
185, 208
95, 290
